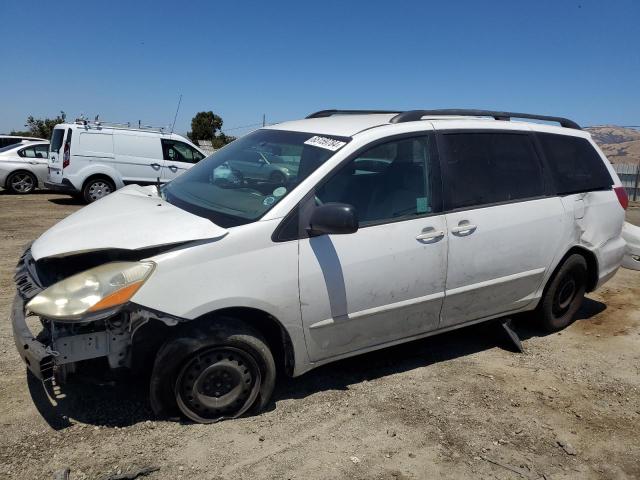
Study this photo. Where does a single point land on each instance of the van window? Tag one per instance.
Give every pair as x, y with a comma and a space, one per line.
180, 152
56, 139
386, 183
575, 164
485, 168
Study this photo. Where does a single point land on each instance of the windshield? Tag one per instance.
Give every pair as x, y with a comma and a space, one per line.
241, 182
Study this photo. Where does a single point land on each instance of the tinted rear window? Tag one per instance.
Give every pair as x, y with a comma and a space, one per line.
485, 168
56, 139
576, 166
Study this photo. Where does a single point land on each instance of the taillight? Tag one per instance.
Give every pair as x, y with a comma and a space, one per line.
66, 156
623, 198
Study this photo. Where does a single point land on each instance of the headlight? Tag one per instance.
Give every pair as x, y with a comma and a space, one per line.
98, 290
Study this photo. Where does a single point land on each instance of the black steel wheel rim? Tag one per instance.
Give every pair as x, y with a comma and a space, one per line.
217, 383
565, 294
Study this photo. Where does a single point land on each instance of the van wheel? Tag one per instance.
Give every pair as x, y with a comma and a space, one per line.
214, 372
564, 294
97, 188
21, 182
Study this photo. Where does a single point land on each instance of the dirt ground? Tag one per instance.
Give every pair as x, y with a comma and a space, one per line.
458, 405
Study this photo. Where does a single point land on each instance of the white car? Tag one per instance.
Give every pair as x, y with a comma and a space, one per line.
396, 226
91, 160
6, 140
23, 166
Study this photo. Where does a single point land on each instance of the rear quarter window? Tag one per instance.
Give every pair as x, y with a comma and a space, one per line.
575, 165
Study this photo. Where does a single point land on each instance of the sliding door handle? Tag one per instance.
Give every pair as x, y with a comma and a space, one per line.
431, 234
463, 230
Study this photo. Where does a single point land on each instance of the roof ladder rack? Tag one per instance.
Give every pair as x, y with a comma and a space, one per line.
415, 115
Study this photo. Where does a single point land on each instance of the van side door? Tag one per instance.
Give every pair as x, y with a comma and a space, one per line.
178, 158
386, 281
505, 226
138, 157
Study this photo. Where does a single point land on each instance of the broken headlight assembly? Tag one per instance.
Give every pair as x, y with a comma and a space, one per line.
95, 293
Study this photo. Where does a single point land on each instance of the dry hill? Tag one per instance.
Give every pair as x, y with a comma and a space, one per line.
620, 145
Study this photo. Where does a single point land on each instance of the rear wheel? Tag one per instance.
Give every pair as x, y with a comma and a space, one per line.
21, 182
214, 372
97, 188
564, 294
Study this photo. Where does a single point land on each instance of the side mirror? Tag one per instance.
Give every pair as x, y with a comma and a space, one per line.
338, 218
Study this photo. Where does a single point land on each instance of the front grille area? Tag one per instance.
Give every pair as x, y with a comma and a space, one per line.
26, 278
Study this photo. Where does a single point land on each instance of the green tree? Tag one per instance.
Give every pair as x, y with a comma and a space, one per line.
208, 126
41, 127
205, 125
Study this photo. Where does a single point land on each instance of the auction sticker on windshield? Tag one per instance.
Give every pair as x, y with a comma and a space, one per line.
324, 142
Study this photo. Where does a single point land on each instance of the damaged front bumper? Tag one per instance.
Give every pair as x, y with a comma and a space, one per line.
35, 354
60, 345
63, 344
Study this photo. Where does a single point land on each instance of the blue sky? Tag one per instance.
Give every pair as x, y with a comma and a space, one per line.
131, 60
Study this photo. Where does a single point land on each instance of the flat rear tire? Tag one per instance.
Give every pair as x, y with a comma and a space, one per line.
565, 294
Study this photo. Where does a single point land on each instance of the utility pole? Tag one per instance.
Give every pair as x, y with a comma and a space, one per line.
264, 119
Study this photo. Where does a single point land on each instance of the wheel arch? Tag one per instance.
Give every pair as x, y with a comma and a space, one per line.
592, 266
95, 176
270, 327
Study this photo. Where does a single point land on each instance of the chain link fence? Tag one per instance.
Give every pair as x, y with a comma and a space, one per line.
629, 174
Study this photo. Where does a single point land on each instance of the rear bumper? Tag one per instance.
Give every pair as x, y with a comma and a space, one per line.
631, 235
64, 187
33, 353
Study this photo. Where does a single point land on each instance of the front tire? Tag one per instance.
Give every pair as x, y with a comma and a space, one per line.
97, 188
21, 182
212, 372
565, 294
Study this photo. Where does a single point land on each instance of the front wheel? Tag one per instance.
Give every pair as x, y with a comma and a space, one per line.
214, 372
565, 294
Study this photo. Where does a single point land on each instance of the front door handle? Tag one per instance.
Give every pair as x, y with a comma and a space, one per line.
464, 229
155, 166
430, 234
173, 168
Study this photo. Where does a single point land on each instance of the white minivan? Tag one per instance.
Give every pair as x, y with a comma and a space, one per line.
391, 226
92, 160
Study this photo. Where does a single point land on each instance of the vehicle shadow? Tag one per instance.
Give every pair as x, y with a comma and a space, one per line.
419, 353
125, 402
67, 201
111, 404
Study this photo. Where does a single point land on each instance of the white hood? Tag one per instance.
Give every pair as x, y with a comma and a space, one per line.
131, 218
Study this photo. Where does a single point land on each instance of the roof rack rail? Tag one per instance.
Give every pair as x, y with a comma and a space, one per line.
118, 125
414, 115
329, 113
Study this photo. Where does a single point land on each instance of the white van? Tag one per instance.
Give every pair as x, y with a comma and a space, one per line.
92, 160
394, 226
